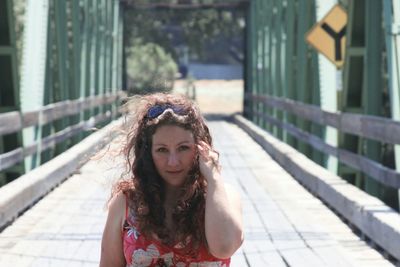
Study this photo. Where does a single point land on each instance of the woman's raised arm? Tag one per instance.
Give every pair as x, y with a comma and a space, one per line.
223, 214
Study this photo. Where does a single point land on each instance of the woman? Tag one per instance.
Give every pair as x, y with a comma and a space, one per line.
173, 209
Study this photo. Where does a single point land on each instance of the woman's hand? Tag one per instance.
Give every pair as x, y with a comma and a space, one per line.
208, 161
223, 212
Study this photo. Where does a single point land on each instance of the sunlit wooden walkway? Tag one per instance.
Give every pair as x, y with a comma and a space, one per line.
284, 224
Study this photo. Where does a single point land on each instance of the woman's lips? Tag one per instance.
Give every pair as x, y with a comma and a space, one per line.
174, 172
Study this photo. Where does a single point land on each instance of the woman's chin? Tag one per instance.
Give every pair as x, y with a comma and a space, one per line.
174, 180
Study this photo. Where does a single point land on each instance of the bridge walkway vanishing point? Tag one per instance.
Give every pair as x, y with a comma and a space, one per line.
285, 225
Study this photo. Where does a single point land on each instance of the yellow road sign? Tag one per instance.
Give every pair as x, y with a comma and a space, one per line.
329, 35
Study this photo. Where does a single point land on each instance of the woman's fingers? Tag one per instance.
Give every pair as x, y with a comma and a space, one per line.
208, 153
205, 149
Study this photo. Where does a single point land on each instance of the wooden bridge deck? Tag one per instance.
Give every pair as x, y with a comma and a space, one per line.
285, 225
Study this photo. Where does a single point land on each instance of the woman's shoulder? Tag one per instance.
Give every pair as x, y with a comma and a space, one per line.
121, 199
117, 204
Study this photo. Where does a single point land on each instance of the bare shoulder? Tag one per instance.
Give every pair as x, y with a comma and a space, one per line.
117, 200
116, 206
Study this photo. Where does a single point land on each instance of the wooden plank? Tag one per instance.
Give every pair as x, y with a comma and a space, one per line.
314, 236
377, 171
283, 236
24, 191
30, 118
373, 127
351, 123
317, 240
17, 155
267, 206
371, 216
257, 249
11, 158
10, 122
252, 248
261, 252
239, 259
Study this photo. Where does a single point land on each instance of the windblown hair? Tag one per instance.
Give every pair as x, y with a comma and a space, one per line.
144, 186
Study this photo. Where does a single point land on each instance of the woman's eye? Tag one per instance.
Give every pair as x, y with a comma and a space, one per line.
161, 149
183, 148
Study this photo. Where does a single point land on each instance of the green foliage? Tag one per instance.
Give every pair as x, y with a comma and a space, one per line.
150, 69
151, 35
198, 27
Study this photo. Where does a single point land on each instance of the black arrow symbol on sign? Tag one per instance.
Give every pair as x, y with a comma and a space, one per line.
337, 37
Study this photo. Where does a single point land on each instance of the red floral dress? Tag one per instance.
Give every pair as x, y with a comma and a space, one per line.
140, 251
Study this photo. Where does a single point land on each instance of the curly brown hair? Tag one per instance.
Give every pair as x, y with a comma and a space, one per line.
143, 185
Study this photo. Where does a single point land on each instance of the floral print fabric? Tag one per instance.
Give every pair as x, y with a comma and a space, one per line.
139, 251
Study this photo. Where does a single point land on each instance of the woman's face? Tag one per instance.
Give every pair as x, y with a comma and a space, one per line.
173, 151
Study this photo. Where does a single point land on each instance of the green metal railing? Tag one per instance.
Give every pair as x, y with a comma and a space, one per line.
281, 66
9, 89
11, 122
72, 51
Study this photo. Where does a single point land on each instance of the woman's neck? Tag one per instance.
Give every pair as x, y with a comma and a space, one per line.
171, 195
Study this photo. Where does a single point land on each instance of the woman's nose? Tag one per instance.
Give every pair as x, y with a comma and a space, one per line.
173, 159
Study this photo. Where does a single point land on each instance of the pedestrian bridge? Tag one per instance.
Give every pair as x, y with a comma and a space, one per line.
314, 148
295, 212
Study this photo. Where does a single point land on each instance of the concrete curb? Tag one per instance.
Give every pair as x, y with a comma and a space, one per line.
23, 192
375, 219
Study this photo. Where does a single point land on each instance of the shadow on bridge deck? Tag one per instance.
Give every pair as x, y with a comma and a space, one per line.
285, 225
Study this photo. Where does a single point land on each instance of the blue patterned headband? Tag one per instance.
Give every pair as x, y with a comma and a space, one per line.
157, 110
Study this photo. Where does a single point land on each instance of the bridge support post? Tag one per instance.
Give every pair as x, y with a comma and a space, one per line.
329, 85
391, 10
33, 70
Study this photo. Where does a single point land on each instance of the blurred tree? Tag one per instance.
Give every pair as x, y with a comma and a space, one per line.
154, 37
150, 69
194, 27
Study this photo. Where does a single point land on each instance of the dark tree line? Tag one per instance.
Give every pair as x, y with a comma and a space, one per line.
169, 27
